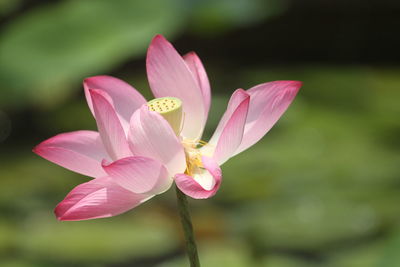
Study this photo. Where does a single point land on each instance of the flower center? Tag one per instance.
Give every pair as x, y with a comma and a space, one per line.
171, 109
193, 155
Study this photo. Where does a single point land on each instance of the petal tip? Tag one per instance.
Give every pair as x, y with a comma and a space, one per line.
41, 148
101, 79
63, 218
190, 54
159, 42
242, 92
292, 84
59, 215
297, 84
88, 80
36, 149
158, 37
96, 77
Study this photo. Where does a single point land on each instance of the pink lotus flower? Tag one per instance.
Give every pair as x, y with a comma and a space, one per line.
136, 154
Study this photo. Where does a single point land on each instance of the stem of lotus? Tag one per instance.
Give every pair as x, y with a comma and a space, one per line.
191, 247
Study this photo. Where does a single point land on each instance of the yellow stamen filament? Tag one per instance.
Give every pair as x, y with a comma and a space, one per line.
193, 155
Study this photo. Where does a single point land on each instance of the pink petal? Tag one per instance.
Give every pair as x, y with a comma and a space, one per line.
236, 99
80, 151
204, 184
232, 134
200, 75
151, 136
111, 132
98, 198
169, 75
268, 102
140, 175
125, 98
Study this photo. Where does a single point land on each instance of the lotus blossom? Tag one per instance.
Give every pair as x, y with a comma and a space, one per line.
138, 151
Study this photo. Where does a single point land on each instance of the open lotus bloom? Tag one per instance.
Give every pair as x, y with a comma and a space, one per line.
142, 147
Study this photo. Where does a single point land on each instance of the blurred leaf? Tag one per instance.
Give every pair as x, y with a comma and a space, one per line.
214, 16
145, 234
366, 255
217, 254
58, 119
304, 224
16, 263
5, 126
46, 52
390, 255
7, 6
7, 235
337, 87
285, 261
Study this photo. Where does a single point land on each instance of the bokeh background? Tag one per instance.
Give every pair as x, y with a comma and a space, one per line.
321, 189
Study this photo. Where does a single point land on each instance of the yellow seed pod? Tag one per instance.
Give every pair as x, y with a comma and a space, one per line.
171, 109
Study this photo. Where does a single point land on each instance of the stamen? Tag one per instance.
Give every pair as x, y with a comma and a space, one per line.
193, 155
194, 143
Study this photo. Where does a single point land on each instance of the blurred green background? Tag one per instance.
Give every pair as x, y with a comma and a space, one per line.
321, 189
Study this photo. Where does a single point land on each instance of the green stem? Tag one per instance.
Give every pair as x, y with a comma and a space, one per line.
187, 228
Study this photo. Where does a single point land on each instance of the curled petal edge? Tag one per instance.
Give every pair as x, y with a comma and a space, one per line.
189, 186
